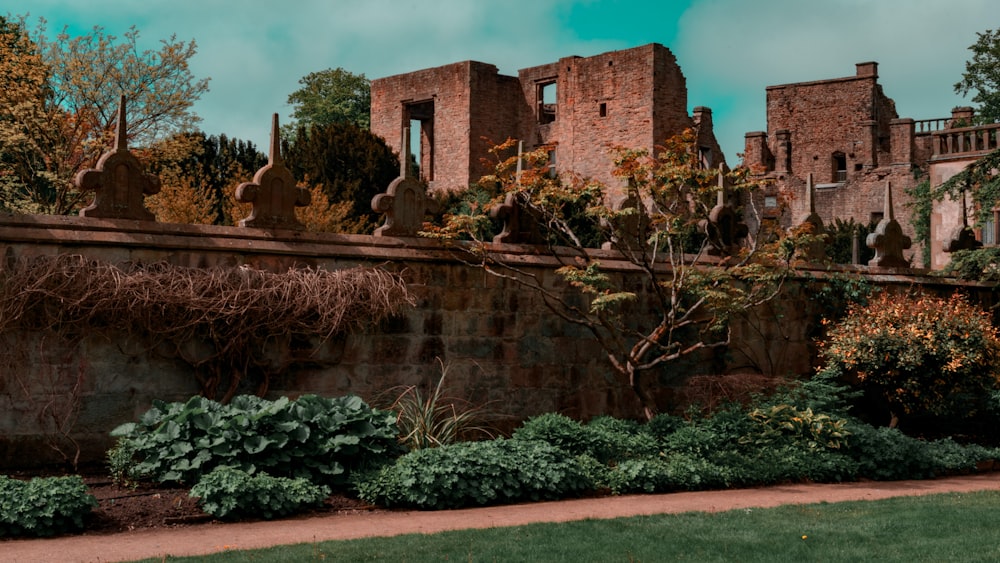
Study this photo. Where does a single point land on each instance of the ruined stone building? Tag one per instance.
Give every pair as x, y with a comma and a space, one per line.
842, 135
581, 106
845, 134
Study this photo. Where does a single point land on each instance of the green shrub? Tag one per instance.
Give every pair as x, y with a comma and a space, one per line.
315, 438
43, 506
887, 454
665, 474
662, 425
558, 430
232, 494
918, 355
783, 423
604, 438
476, 473
616, 439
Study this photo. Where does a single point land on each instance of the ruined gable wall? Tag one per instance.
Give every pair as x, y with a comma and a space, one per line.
474, 107
822, 118
496, 112
849, 115
645, 101
448, 88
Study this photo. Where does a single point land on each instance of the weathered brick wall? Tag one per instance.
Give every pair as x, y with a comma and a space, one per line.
455, 90
633, 98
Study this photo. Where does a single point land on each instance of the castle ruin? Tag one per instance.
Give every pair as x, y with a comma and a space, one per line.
581, 107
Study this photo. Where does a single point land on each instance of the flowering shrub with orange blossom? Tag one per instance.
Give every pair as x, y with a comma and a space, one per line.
920, 354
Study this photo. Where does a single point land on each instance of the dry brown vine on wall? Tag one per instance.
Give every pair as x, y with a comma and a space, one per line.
233, 313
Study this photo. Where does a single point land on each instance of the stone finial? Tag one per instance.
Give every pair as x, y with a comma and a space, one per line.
888, 239
816, 250
723, 226
519, 225
629, 230
273, 192
119, 183
962, 237
405, 201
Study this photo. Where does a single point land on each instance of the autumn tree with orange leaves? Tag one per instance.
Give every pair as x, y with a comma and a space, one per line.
58, 103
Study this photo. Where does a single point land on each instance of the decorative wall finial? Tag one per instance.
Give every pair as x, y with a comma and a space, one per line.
119, 183
888, 239
404, 203
273, 192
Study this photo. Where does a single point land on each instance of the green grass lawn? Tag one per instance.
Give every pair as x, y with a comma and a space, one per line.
949, 527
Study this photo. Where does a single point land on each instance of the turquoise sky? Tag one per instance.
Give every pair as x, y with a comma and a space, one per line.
255, 51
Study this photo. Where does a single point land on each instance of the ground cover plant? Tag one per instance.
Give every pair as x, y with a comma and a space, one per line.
43, 506
316, 438
948, 527
800, 434
231, 494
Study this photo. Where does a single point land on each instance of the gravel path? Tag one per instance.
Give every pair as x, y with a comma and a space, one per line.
215, 537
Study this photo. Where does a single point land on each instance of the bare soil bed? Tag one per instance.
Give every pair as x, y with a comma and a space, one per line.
149, 506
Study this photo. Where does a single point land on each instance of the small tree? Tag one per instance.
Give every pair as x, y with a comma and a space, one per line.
59, 99
920, 355
668, 239
982, 76
330, 96
350, 164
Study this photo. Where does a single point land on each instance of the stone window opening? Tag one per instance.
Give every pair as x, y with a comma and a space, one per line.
705, 157
839, 167
988, 234
546, 99
602, 109
419, 118
551, 168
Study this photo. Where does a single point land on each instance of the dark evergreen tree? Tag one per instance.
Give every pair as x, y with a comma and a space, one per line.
216, 163
350, 163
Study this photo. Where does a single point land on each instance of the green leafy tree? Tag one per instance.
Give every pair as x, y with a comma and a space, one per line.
982, 76
330, 96
979, 182
350, 163
75, 84
692, 295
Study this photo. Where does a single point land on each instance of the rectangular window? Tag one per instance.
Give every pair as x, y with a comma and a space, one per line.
420, 118
602, 110
989, 230
546, 100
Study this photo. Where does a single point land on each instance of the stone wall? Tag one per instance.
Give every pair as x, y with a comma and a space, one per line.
500, 345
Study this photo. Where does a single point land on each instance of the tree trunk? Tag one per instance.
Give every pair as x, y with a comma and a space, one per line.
635, 382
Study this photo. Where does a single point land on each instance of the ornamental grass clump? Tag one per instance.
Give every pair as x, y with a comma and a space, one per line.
916, 355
